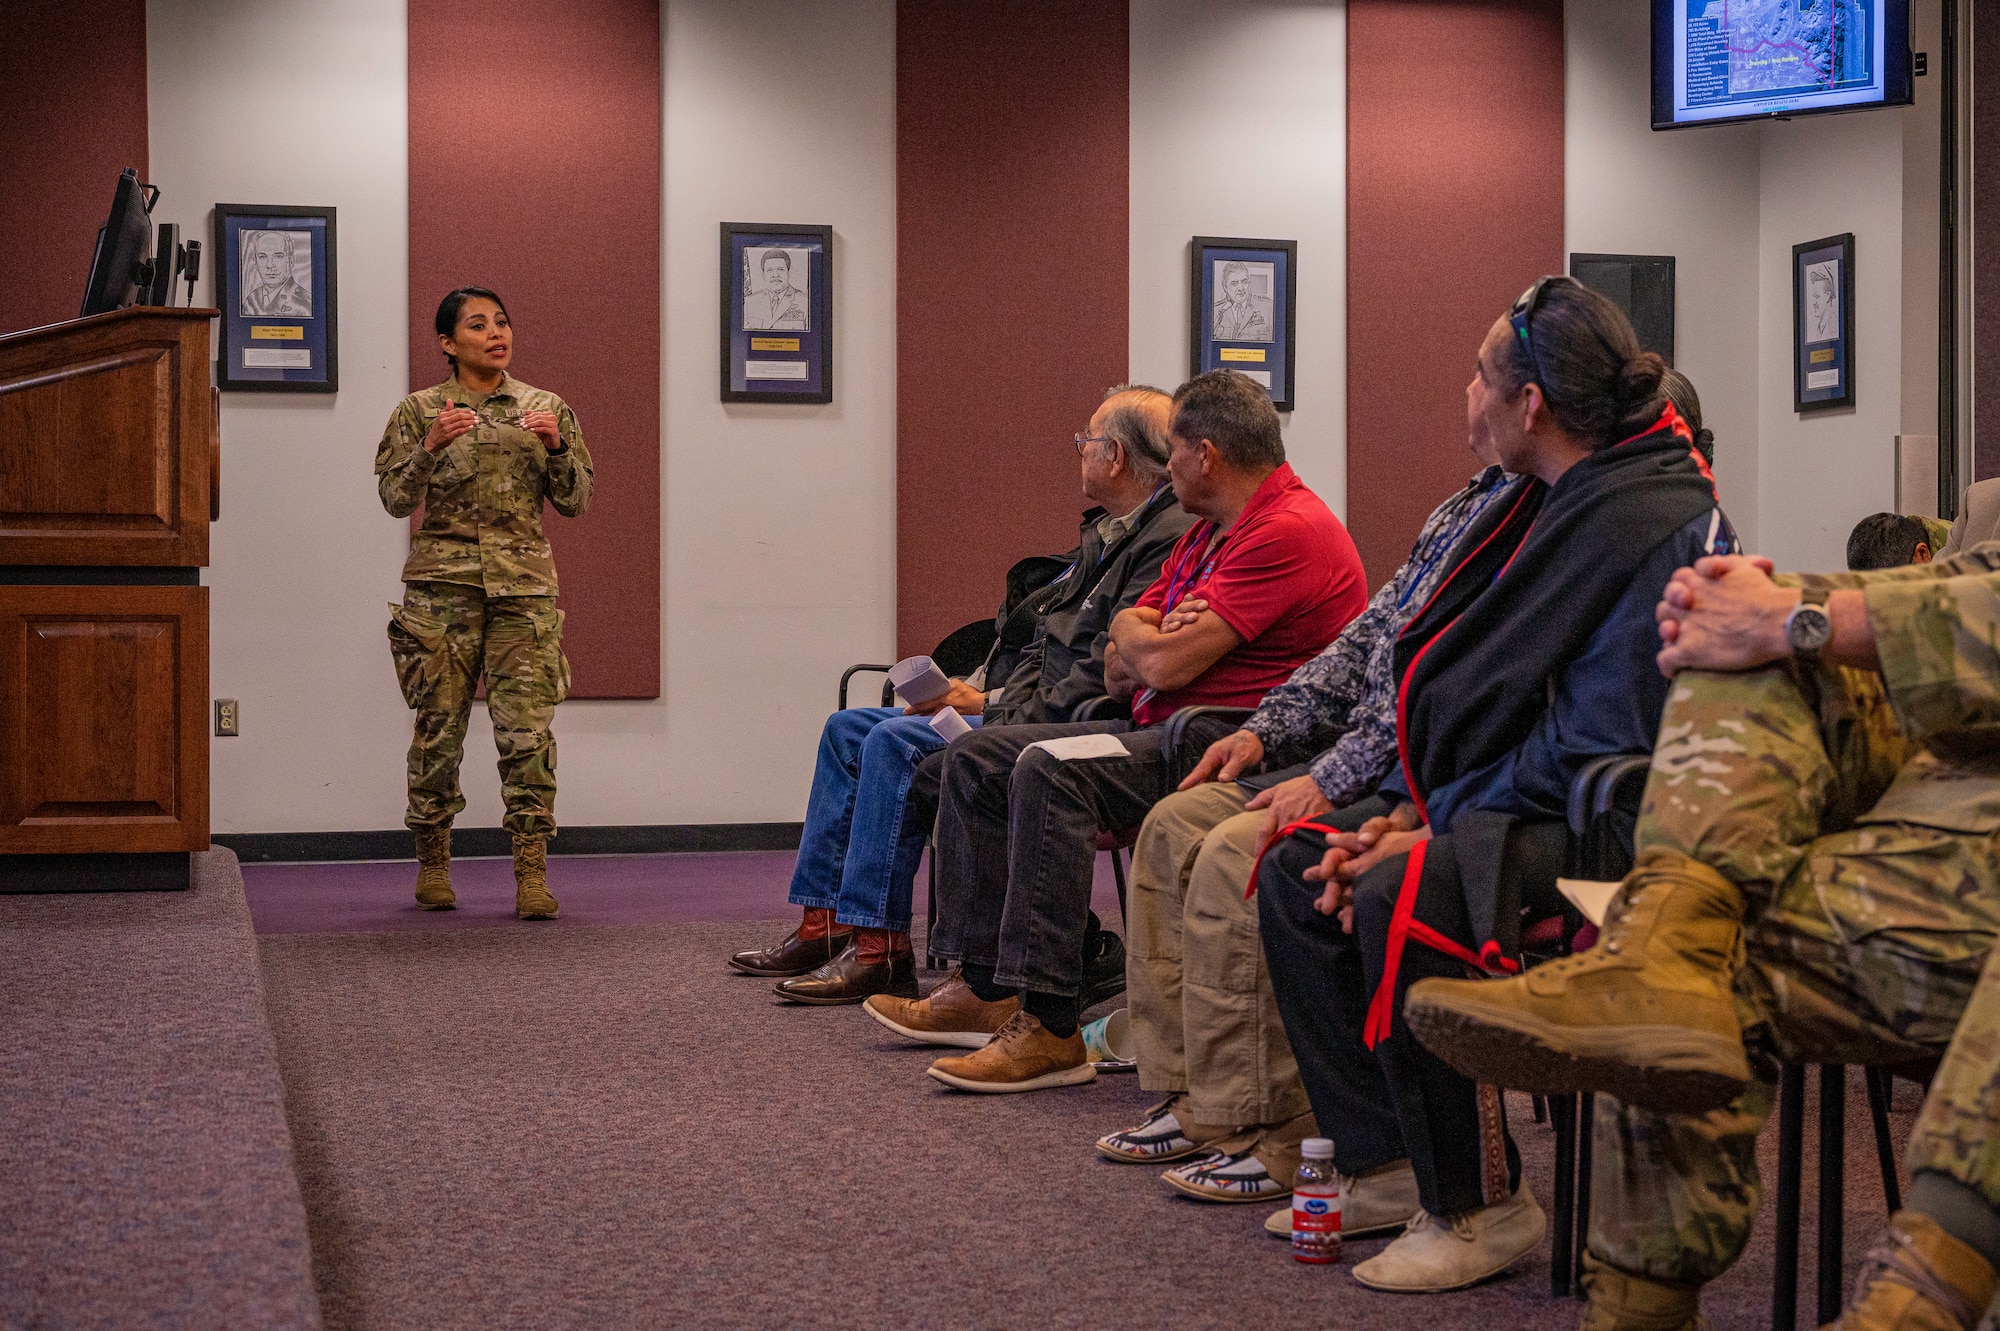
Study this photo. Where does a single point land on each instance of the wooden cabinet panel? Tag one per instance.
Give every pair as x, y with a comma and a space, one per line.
103, 719
106, 429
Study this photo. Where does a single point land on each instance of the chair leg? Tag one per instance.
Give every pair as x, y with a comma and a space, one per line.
1118, 877
1832, 1177
930, 915
1562, 1110
1541, 1108
1885, 1150
1791, 1150
1586, 1113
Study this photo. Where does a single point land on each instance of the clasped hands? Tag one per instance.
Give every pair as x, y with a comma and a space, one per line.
456, 420
961, 697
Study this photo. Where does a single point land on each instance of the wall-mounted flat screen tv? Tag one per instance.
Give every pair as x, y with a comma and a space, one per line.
1722, 61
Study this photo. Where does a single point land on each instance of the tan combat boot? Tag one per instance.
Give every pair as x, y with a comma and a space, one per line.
531, 878
1620, 1302
1920, 1279
434, 869
1646, 1015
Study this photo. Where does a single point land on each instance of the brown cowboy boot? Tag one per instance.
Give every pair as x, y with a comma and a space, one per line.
1646, 1015
1621, 1302
1920, 1279
531, 878
434, 869
879, 962
817, 940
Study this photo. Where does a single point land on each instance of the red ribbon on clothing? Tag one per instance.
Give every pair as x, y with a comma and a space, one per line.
1404, 927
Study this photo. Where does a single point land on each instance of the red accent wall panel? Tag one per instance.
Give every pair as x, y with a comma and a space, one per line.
1454, 205
1985, 146
1012, 134
72, 116
535, 170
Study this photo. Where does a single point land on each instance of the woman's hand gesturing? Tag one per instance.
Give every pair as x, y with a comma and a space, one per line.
448, 425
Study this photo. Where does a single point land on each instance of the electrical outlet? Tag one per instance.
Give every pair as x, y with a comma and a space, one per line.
227, 718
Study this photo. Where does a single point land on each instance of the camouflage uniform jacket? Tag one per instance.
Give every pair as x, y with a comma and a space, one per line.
482, 493
1937, 631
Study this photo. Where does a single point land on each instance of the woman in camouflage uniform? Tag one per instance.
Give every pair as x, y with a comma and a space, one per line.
479, 453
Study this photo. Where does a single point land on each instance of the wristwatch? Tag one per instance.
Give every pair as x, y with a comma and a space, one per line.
1808, 628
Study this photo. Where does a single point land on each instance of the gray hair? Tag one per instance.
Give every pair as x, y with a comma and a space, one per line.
1233, 412
1138, 431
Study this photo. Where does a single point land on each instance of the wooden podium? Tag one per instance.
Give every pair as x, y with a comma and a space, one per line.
109, 451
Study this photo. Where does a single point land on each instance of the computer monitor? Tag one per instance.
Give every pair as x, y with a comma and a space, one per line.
123, 243
1720, 62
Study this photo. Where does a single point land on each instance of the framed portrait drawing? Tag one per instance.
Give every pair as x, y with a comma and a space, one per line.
1823, 323
275, 272
777, 313
1245, 295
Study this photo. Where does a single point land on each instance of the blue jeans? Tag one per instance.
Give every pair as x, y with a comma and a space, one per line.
858, 855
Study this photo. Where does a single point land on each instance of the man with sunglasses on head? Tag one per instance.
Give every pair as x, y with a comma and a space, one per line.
1533, 657
874, 792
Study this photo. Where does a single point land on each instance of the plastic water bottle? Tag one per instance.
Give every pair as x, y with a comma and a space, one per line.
1316, 1204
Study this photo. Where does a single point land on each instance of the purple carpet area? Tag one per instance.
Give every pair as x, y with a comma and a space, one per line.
589, 1128
377, 896
145, 1164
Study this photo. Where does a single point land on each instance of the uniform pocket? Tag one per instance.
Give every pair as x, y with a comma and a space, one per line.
551, 643
417, 646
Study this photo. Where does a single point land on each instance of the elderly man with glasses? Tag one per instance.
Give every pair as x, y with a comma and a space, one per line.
875, 788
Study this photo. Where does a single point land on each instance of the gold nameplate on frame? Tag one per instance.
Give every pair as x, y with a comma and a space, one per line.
774, 344
1823, 356
1241, 353
277, 332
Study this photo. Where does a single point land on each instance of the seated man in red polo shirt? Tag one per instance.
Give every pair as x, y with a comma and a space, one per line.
1260, 585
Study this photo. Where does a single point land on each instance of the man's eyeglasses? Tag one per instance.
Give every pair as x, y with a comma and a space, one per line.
1084, 440
1520, 316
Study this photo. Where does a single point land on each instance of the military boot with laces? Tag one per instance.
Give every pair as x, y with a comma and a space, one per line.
434, 869
1920, 1279
1647, 1014
1621, 1302
531, 878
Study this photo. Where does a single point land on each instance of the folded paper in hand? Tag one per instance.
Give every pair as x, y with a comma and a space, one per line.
949, 724
1589, 896
918, 680
1071, 747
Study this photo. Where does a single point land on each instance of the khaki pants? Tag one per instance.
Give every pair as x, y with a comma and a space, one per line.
1203, 1016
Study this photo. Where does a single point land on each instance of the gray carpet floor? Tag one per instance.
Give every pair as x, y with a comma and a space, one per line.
145, 1165
600, 1127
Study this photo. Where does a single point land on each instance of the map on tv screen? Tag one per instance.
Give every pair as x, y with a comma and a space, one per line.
1737, 58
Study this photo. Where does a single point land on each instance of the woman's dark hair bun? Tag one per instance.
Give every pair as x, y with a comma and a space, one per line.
1639, 381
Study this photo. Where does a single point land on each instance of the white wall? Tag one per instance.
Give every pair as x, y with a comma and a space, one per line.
1821, 472
778, 522
266, 101
1239, 128
1730, 202
1690, 193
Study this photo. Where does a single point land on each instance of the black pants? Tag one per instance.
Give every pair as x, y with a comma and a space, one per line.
1398, 1099
1017, 843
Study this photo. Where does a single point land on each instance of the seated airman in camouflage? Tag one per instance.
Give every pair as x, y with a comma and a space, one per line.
480, 453
1816, 881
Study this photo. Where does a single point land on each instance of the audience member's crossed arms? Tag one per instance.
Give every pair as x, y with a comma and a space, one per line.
1351, 854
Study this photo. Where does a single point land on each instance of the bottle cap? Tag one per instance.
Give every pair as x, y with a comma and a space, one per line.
1317, 1148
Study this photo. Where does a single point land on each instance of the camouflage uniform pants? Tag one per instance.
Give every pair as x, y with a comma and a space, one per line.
1866, 940
442, 637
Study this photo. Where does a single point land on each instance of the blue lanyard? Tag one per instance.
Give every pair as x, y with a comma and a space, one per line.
1175, 587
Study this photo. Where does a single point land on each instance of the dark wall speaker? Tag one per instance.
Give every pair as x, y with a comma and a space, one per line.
1642, 285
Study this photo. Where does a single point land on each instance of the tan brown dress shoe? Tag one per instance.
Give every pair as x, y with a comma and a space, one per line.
952, 1015
1023, 1056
